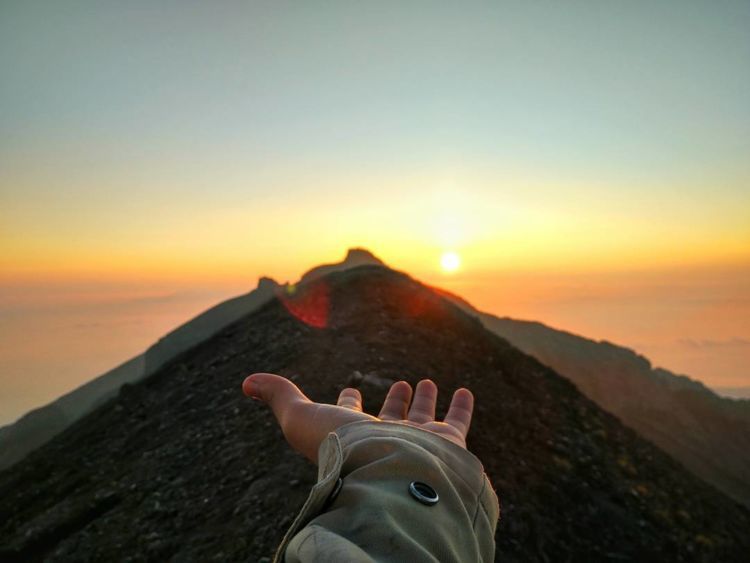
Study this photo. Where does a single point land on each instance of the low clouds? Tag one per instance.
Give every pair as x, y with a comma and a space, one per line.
712, 344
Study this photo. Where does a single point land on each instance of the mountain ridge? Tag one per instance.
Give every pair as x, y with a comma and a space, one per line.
42, 423
709, 434
719, 453
180, 465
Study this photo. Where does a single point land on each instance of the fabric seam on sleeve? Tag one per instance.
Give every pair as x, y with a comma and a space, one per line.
479, 503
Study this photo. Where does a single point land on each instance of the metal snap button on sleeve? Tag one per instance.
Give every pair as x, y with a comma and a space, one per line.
423, 493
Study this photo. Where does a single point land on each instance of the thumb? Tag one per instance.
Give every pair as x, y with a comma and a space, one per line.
277, 391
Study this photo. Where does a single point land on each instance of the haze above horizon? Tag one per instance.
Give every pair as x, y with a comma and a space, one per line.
587, 164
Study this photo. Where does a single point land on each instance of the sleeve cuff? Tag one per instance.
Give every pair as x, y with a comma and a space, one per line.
358, 444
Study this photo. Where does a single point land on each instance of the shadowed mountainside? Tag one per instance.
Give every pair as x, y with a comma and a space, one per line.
38, 426
709, 434
734, 392
181, 465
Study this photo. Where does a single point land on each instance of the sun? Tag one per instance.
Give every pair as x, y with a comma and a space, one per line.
450, 262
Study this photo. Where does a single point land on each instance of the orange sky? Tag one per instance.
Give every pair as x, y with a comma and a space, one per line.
57, 334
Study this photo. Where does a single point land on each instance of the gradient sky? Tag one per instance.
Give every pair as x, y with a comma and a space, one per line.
588, 161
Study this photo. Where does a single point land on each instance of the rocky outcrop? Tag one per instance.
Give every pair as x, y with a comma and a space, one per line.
354, 257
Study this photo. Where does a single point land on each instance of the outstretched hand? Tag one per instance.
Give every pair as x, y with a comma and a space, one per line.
305, 423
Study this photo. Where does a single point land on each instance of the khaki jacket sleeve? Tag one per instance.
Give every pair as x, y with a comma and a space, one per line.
362, 510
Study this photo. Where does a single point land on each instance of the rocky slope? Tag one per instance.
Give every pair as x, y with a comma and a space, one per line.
709, 434
38, 426
181, 466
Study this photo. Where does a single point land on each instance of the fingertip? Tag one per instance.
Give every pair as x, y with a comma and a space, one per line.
351, 392
464, 398
272, 388
250, 387
403, 384
261, 385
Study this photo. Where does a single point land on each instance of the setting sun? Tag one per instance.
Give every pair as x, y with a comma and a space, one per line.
450, 262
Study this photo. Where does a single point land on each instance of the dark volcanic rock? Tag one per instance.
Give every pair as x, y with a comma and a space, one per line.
182, 466
40, 425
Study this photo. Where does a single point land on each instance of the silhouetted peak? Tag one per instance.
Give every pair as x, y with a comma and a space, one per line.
360, 257
354, 257
266, 283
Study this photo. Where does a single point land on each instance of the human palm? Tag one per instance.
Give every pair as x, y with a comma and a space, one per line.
306, 423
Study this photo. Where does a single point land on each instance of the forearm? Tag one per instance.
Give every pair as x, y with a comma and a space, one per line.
375, 517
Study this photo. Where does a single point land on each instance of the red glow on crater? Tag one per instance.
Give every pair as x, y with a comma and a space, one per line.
309, 303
